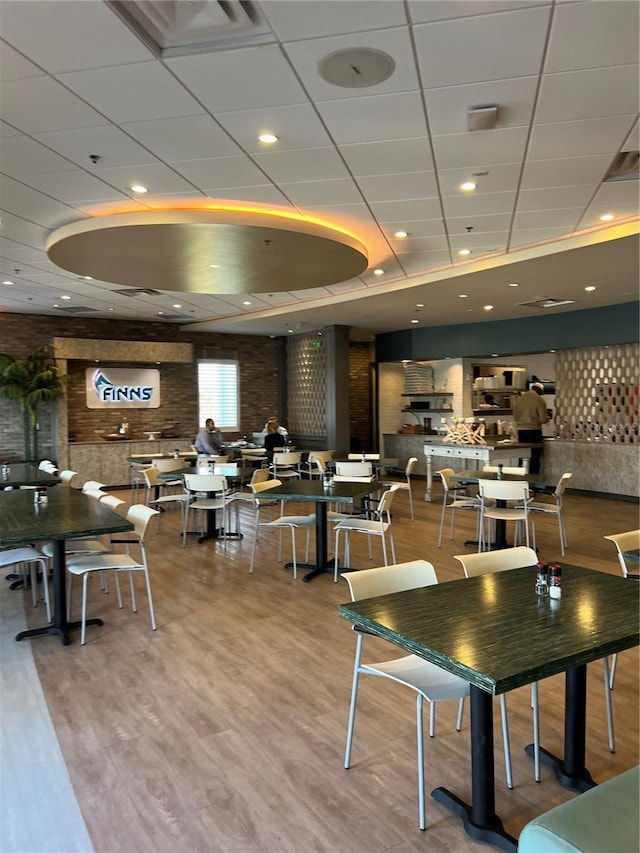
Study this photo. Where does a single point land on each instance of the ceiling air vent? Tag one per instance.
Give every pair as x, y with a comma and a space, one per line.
179, 28
624, 167
546, 302
78, 309
138, 291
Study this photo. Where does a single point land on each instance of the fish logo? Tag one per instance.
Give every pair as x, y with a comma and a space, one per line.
107, 392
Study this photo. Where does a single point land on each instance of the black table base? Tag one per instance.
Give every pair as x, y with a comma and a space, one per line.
58, 631
480, 819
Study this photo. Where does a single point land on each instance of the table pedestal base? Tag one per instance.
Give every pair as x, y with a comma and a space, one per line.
492, 833
574, 782
62, 633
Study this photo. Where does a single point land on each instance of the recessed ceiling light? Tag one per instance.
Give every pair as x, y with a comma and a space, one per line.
514, 284
246, 302
268, 138
112, 309
551, 350
378, 272
590, 288
468, 186
55, 305
488, 307
138, 188
9, 283
215, 266
85, 278
494, 355
401, 235
464, 252
290, 331
415, 320
65, 297
419, 304
463, 295
606, 217
160, 313
176, 305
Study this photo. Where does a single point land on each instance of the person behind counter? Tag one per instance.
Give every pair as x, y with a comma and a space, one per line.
529, 413
209, 440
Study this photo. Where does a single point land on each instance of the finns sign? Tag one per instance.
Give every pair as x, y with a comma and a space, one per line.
122, 388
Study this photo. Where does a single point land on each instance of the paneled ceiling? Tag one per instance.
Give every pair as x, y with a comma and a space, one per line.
91, 108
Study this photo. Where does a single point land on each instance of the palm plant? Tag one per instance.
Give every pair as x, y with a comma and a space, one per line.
29, 381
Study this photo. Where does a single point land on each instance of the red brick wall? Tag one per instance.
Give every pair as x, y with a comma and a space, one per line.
360, 398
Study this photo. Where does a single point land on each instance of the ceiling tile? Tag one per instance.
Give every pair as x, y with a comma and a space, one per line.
184, 138
567, 219
590, 35
480, 148
447, 107
507, 44
579, 138
480, 241
113, 147
392, 211
133, 92
14, 66
23, 231
296, 126
220, 172
58, 109
477, 204
494, 222
22, 156
258, 195
393, 156
409, 185
247, 79
565, 171
415, 245
499, 178
313, 193
530, 236
34, 206
381, 117
590, 93
440, 10
306, 57
72, 187
416, 228
157, 177
320, 18
415, 263
554, 197
6, 130
311, 164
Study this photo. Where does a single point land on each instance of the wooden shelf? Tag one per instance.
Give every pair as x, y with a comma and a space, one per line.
434, 394
425, 412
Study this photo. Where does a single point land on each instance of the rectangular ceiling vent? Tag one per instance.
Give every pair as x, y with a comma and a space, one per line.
181, 317
624, 167
138, 291
180, 28
78, 309
546, 302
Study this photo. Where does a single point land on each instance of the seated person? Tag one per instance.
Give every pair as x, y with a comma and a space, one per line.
273, 439
209, 440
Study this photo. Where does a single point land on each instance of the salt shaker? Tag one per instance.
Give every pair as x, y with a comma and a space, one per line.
555, 578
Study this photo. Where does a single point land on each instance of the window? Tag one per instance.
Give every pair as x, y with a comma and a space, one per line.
218, 393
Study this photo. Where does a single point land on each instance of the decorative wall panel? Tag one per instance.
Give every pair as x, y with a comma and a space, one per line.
306, 385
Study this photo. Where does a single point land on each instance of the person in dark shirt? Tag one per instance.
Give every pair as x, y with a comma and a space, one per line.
273, 439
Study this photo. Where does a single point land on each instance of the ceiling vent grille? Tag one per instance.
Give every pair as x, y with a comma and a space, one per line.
138, 291
179, 28
624, 167
546, 302
78, 309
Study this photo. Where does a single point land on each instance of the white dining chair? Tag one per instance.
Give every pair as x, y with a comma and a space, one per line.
281, 523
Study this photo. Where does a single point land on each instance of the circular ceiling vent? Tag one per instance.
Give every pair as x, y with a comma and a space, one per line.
356, 67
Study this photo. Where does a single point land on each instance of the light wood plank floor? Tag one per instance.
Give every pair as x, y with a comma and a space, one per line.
224, 729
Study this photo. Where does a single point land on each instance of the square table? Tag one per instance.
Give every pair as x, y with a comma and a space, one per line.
68, 514
314, 490
497, 634
25, 474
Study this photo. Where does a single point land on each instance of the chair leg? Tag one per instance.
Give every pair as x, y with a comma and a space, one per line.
393, 546
420, 750
352, 704
444, 507
83, 617
460, 714
293, 551
335, 558
609, 705
614, 666
536, 730
413, 518
152, 613
134, 605
505, 740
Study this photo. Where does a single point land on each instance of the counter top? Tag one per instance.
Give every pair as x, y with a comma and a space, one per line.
104, 441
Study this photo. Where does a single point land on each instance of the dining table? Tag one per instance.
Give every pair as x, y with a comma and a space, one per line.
67, 514
313, 490
25, 474
497, 634
466, 478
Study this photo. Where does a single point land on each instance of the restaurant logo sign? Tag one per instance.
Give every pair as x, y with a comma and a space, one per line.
122, 388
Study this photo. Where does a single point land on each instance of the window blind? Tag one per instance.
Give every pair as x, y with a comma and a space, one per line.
218, 393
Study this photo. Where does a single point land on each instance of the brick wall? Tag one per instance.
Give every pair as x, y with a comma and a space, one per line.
360, 402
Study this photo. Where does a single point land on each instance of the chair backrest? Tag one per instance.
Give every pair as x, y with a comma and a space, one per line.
114, 503
264, 486
504, 490
373, 457
281, 459
325, 455
486, 562
46, 465
384, 505
516, 470
205, 483
369, 583
445, 476
140, 516
166, 466
67, 476
194, 448
151, 476
92, 486
228, 470
260, 475
354, 469
627, 541
562, 484
97, 494
411, 464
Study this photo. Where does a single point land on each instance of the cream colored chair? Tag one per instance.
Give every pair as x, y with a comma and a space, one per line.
406, 487
627, 541
378, 525
368, 457
515, 491
83, 567
92, 486
354, 472
286, 465
540, 507
428, 681
283, 522
198, 488
316, 463
24, 562
513, 470
452, 501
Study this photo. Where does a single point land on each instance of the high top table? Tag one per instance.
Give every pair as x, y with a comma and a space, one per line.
68, 514
25, 474
494, 632
313, 490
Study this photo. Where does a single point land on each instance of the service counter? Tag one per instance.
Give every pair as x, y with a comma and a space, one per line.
106, 461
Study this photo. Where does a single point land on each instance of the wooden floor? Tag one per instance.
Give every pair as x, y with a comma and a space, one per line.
224, 729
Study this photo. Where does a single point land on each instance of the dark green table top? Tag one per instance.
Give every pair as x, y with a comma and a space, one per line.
68, 514
632, 556
313, 490
496, 633
24, 474
473, 477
